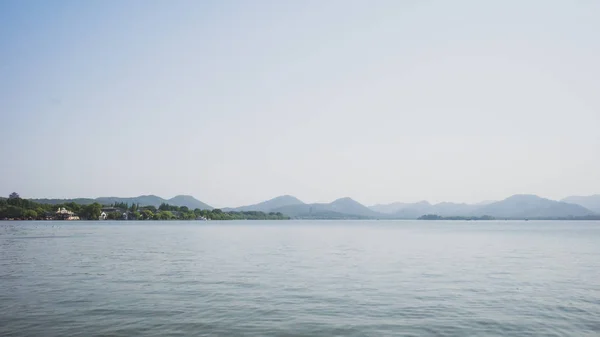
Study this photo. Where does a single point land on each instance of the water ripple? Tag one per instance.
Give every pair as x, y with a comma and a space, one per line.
300, 279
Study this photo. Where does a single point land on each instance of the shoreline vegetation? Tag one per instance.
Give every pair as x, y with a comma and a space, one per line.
16, 208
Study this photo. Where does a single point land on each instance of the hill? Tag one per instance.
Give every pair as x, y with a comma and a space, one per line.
394, 207
449, 209
188, 201
415, 210
269, 205
143, 200
591, 202
531, 206
343, 208
350, 206
81, 201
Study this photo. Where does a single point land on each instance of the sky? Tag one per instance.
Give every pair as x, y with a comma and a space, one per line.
235, 102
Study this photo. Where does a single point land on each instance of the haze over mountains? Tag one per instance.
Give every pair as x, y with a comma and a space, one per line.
515, 207
591, 202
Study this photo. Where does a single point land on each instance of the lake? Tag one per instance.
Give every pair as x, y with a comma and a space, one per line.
300, 278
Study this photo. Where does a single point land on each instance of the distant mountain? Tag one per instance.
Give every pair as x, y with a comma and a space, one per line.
515, 207
143, 200
188, 201
391, 208
350, 206
455, 209
269, 205
344, 208
415, 210
591, 202
485, 202
531, 206
81, 201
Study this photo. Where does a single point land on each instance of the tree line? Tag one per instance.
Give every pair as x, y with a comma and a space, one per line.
15, 207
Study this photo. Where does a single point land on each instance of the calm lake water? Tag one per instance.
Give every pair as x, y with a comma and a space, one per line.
300, 278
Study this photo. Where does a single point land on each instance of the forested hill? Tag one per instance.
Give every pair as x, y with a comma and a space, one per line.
142, 200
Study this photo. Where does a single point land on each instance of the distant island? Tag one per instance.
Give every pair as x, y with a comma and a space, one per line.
16, 208
186, 207
467, 218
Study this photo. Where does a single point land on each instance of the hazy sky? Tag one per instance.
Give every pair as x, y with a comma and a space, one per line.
235, 102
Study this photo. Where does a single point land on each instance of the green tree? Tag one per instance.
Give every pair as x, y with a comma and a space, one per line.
150, 208
40, 211
187, 216
73, 207
30, 214
15, 201
147, 214
13, 212
165, 215
91, 211
114, 216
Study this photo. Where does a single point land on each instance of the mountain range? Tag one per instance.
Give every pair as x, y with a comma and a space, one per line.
343, 208
521, 206
515, 207
518, 206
